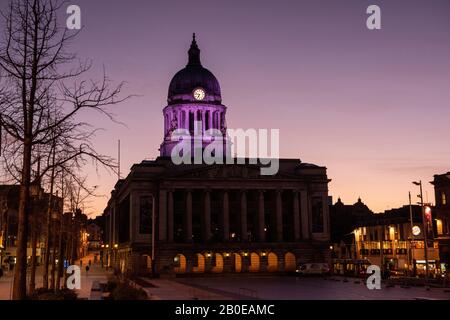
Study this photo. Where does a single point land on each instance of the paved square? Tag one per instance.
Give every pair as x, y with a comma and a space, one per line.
295, 288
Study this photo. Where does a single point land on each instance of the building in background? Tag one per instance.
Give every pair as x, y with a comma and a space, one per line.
9, 203
188, 218
391, 241
94, 231
344, 219
441, 185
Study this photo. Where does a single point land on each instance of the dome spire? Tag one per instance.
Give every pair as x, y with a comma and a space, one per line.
194, 53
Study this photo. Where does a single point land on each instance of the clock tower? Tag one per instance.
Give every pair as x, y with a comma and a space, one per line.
194, 105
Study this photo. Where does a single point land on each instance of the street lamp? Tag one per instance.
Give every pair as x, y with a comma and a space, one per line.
425, 229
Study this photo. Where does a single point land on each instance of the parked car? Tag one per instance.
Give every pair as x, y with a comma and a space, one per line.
313, 269
396, 273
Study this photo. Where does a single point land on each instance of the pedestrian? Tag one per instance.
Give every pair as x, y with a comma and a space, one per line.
89, 263
87, 270
1, 272
81, 263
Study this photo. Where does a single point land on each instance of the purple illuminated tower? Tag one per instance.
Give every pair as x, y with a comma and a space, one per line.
194, 96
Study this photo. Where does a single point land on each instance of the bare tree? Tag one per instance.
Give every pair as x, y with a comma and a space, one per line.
37, 103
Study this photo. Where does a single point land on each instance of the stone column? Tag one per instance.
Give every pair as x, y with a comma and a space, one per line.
279, 217
226, 217
188, 222
111, 227
207, 216
304, 214
203, 121
210, 119
296, 209
186, 120
162, 214
219, 120
116, 223
170, 223
261, 217
244, 235
326, 215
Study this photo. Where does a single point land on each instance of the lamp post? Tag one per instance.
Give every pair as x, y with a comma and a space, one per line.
425, 229
411, 252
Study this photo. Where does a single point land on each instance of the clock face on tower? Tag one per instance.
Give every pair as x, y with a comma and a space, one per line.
199, 94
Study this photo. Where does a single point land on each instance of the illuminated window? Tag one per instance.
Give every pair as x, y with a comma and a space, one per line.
443, 199
439, 227
391, 233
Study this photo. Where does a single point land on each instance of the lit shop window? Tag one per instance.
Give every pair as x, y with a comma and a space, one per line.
439, 227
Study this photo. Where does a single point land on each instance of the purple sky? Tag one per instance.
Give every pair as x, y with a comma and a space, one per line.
371, 106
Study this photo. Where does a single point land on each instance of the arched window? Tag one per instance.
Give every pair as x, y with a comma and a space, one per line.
272, 262
254, 262
179, 263
289, 262
200, 264
218, 267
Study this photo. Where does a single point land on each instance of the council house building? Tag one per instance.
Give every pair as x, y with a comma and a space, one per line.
221, 218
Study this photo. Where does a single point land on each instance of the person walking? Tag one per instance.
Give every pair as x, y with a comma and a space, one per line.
87, 270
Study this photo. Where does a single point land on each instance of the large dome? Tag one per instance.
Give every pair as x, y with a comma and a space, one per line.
194, 76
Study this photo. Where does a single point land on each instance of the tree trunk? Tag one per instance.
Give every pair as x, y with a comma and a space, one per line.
53, 274
68, 248
32, 284
60, 253
49, 221
20, 269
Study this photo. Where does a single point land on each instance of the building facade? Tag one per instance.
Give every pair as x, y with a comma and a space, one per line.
441, 184
9, 206
391, 241
199, 218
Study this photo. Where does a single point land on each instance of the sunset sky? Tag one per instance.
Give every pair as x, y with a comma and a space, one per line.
371, 106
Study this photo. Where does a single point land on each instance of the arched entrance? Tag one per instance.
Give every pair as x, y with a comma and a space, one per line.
200, 267
290, 263
146, 264
122, 265
218, 267
180, 263
272, 262
254, 262
237, 262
